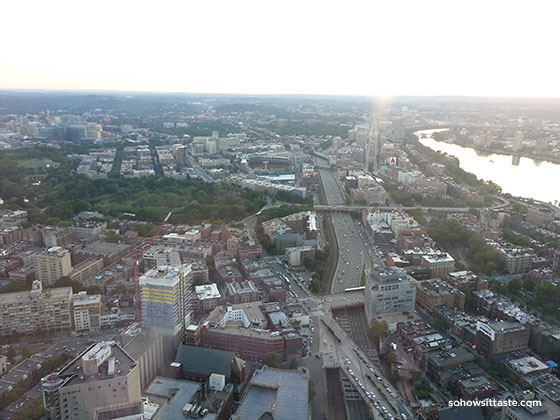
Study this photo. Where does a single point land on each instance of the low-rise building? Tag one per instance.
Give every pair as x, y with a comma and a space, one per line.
242, 292
539, 408
501, 337
439, 263
180, 399
388, 290
282, 392
435, 292
438, 361
244, 329
296, 255
88, 231
468, 279
207, 296
3, 365
516, 260
24, 274
84, 271
86, 312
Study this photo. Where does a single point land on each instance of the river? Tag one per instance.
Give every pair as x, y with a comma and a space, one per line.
522, 177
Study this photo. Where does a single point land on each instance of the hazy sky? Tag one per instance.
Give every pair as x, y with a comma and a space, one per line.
418, 47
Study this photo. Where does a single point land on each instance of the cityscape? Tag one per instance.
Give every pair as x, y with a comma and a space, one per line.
288, 258
297, 210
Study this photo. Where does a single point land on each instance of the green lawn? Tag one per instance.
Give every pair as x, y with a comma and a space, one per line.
33, 163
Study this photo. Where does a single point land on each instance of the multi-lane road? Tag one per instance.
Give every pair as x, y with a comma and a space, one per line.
352, 255
339, 349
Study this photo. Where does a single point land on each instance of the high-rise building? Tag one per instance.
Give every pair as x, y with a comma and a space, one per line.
388, 290
103, 376
76, 132
93, 131
518, 141
52, 265
167, 298
25, 312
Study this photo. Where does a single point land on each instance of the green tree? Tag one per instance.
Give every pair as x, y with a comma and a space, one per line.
273, 360
377, 330
528, 285
416, 376
312, 391
25, 352
514, 286
11, 354
112, 236
544, 292
390, 357
34, 411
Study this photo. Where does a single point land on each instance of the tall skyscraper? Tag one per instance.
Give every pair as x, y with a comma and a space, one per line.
167, 297
372, 147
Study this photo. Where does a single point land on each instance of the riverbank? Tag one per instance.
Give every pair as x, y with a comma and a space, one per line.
490, 150
521, 177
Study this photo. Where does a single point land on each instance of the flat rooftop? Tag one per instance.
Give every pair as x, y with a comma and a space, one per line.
177, 393
166, 276
123, 365
207, 291
281, 392
104, 248
85, 299
454, 356
437, 287
54, 293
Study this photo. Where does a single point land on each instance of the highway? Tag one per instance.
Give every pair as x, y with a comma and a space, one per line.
339, 350
356, 251
352, 255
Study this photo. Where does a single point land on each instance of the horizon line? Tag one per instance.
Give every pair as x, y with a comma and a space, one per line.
364, 96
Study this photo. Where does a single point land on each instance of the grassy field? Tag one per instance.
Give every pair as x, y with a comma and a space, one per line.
33, 163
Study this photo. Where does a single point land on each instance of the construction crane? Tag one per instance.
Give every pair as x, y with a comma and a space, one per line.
136, 270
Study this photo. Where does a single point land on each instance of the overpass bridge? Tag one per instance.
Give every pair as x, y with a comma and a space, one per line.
348, 209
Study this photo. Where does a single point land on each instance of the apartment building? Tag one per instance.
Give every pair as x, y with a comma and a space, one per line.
86, 312
501, 337
242, 292
25, 312
52, 264
167, 298
435, 292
